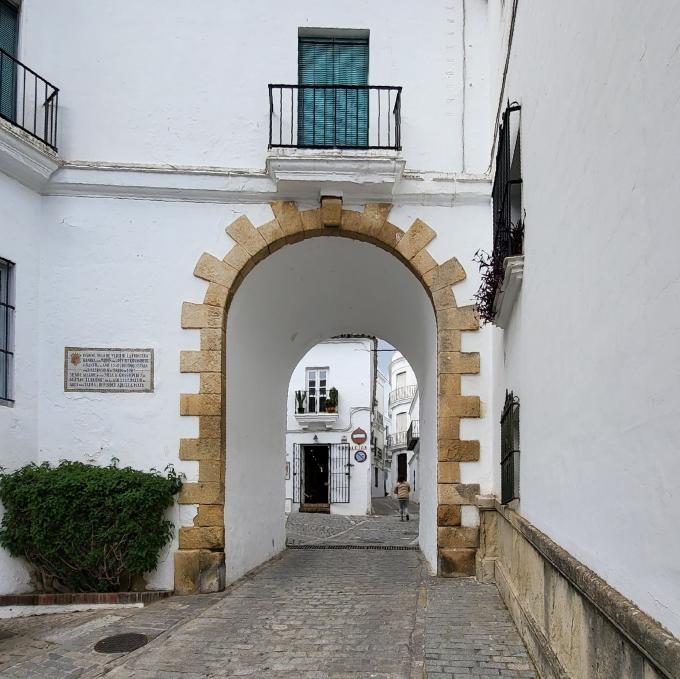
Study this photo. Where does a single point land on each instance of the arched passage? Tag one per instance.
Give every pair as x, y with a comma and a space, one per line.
262, 321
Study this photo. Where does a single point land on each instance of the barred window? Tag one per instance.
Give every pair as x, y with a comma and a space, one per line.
510, 449
6, 331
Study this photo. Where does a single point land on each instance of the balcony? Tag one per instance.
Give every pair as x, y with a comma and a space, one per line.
28, 101
315, 414
413, 434
397, 440
335, 137
403, 394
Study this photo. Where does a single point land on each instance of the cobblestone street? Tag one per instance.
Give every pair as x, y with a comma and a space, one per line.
315, 614
383, 527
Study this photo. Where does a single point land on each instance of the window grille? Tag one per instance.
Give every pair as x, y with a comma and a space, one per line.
6, 331
510, 449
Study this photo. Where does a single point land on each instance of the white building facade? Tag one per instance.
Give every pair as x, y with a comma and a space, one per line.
328, 465
197, 226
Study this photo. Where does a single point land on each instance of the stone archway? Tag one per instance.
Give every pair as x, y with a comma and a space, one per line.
200, 558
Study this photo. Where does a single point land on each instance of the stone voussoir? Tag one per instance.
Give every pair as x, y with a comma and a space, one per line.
201, 316
200, 404
201, 537
458, 362
448, 273
461, 318
200, 361
417, 238
214, 270
288, 217
200, 449
457, 493
247, 236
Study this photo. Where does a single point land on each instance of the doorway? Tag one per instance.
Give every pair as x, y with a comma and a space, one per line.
402, 472
315, 479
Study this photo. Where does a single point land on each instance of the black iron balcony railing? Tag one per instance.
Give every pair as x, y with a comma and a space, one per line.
413, 434
28, 101
402, 394
335, 116
397, 440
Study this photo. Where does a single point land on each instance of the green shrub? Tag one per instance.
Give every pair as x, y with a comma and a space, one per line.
85, 528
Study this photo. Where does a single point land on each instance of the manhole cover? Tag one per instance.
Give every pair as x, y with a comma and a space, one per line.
121, 643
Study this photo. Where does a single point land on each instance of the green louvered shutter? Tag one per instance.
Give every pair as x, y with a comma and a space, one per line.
9, 25
333, 117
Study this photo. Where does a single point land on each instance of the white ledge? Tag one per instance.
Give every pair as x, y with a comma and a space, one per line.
316, 420
304, 173
507, 295
25, 158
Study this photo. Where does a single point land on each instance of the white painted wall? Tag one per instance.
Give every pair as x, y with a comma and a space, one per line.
20, 243
197, 93
593, 349
349, 363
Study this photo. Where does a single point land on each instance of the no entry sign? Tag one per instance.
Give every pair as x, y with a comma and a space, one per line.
359, 436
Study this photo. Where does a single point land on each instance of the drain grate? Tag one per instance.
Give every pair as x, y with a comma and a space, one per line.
121, 643
410, 548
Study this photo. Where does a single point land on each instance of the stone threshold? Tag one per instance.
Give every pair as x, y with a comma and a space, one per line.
77, 598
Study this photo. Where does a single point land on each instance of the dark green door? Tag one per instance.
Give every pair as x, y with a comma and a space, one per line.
9, 30
333, 116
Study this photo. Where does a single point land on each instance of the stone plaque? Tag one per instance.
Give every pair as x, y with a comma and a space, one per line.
108, 370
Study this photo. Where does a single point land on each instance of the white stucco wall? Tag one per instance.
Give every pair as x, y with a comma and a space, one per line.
137, 100
349, 371
594, 348
20, 243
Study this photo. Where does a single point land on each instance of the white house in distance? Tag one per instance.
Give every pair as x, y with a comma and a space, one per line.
329, 452
401, 440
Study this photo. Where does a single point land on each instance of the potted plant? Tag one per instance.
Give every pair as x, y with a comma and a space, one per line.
301, 397
332, 400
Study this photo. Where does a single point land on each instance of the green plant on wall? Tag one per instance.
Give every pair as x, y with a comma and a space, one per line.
84, 528
332, 400
301, 397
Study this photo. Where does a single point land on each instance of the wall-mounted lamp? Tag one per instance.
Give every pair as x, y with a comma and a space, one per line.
343, 439
316, 438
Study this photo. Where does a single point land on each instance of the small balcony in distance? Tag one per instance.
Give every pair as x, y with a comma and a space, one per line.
413, 434
345, 135
316, 414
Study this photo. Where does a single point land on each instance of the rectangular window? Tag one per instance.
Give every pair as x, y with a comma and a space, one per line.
401, 379
510, 449
335, 114
402, 422
6, 331
317, 385
9, 35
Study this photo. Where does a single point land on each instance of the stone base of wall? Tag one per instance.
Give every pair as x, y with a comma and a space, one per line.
574, 624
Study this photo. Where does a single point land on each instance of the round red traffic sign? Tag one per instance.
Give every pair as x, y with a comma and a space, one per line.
359, 436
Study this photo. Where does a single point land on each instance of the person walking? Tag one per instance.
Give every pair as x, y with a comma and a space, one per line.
402, 490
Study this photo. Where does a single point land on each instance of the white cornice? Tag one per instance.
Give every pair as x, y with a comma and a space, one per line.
24, 158
235, 185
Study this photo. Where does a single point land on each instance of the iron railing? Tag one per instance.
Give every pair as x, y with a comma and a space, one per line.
339, 472
402, 394
413, 434
510, 449
335, 116
28, 101
507, 228
397, 440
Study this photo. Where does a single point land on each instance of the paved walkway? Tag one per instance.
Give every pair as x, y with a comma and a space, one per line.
381, 528
309, 614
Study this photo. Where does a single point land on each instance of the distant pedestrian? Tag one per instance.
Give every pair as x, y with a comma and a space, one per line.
402, 490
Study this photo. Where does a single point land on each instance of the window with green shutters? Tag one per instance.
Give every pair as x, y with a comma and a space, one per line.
335, 115
9, 31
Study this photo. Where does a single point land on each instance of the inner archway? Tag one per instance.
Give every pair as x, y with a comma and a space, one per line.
256, 322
